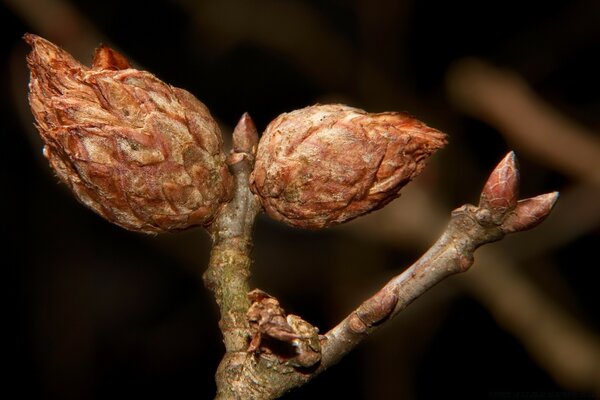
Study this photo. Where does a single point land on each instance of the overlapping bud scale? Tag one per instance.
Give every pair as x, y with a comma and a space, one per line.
141, 153
327, 164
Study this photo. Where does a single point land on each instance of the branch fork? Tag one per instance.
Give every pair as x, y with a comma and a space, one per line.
269, 352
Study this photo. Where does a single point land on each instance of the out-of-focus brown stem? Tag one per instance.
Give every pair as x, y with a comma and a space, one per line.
505, 101
61, 22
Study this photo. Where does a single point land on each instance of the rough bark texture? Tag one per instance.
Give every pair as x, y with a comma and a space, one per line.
327, 164
143, 154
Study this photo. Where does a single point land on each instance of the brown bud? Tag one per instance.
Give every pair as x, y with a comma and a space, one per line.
327, 164
501, 191
529, 212
268, 320
143, 154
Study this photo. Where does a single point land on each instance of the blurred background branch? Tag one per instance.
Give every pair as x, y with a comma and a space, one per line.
505, 102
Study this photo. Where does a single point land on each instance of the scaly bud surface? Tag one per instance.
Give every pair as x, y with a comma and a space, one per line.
327, 164
143, 154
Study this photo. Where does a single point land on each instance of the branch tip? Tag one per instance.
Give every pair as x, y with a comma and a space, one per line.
245, 135
501, 191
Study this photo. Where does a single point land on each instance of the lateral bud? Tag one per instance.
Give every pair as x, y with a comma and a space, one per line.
529, 213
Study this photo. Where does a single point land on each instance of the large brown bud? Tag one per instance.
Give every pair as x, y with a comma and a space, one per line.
327, 164
143, 154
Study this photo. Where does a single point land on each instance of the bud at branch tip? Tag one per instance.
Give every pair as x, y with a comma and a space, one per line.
245, 135
501, 191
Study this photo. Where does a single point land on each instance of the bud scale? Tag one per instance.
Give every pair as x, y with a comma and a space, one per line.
143, 154
327, 164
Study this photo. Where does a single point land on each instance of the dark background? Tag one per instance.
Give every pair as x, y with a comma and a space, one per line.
96, 312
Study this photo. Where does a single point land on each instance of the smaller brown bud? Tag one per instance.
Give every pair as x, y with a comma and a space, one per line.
245, 136
501, 191
529, 212
327, 164
268, 320
143, 154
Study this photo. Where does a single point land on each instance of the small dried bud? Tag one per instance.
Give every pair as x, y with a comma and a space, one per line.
268, 320
143, 154
327, 164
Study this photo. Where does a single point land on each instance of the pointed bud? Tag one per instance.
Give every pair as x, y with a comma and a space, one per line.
327, 164
145, 155
501, 191
529, 213
245, 136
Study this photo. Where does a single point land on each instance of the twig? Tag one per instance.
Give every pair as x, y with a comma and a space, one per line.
269, 374
397, 225
560, 343
469, 228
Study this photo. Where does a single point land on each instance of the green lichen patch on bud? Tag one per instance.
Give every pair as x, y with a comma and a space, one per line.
327, 164
143, 154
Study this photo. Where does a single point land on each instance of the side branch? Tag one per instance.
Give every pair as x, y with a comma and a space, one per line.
497, 214
250, 370
452, 253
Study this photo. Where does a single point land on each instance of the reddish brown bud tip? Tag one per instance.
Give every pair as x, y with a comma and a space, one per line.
501, 191
109, 59
141, 153
327, 164
529, 212
245, 136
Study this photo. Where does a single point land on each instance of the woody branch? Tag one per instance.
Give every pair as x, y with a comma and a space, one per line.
269, 375
498, 213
